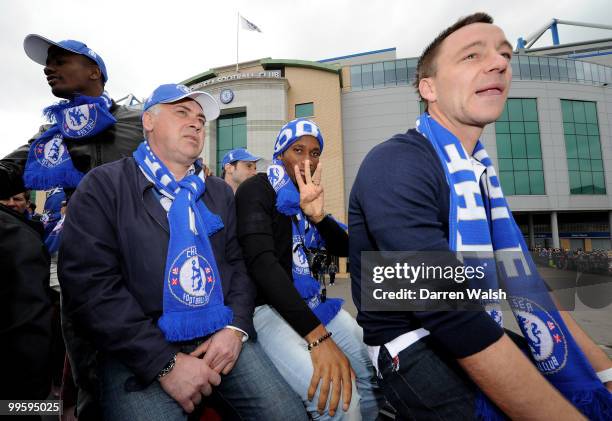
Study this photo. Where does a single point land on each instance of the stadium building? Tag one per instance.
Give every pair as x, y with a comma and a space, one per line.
552, 145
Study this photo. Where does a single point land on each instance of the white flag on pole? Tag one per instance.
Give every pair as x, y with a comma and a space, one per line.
249, 26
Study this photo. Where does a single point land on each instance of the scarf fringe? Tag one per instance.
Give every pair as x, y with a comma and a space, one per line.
326, 311
51, 112
486, 410
212, 222
185, 325
595, 404
43, 180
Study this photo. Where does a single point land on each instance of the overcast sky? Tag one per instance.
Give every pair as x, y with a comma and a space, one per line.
146, 43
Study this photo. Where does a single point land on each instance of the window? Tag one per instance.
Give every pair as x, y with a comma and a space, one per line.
583, 148
524, 66
356, 78
390, 78
378, 75
384, 73
519, 150
231, 134
304, 110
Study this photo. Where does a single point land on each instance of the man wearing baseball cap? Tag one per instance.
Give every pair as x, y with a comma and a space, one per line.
86, 129
151, 269
238, 165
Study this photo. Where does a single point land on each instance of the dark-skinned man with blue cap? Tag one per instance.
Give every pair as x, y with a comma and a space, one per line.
87, 128
238, 165
151, 269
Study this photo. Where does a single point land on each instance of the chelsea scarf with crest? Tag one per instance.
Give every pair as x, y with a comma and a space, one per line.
193, 296
49, 164
304, 236
481, 223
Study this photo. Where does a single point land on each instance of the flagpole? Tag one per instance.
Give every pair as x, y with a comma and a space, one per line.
237, 36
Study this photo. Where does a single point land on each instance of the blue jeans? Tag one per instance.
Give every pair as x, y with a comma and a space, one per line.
253, 389
288, 352
424, 385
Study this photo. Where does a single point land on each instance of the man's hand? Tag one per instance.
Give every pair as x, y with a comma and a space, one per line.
221, 350
330, 367
311, 192
189, 380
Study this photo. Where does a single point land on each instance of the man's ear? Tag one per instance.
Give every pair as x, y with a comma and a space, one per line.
427, 89
227, 167
95, 73
148, 121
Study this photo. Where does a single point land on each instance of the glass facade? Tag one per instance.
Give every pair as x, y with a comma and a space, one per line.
524, 67
231, 134
582, 144
384, 73
519, 151
304, 110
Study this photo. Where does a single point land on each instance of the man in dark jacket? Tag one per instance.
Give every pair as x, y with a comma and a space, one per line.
74, 72
72, 69
152, 273
25, 315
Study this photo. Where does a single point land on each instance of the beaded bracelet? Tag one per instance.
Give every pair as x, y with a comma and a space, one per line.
318, 341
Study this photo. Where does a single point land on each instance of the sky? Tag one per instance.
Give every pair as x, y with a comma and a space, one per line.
147, 43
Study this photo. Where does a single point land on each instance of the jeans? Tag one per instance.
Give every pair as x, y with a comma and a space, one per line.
423, 385
288, 352
253, 389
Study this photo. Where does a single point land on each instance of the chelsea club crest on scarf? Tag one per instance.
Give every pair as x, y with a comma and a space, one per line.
79, 121
191, 278
49, 164
51, 153
545, 338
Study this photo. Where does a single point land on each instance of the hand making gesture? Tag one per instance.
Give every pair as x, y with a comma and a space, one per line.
311, 192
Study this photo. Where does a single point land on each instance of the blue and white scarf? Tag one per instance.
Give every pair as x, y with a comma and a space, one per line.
304, 235
49, 164
53, 240
53, 210
478, 223
193, 296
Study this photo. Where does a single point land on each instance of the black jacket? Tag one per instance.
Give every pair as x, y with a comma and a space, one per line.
118, 141
112, 261
25, 310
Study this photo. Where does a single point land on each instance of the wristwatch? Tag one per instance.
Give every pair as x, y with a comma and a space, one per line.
167, 368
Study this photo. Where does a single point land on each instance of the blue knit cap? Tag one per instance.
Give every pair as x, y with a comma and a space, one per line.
292, 131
